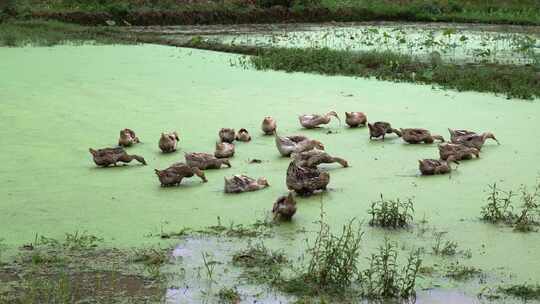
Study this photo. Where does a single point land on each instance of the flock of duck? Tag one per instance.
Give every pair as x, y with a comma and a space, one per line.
303, 176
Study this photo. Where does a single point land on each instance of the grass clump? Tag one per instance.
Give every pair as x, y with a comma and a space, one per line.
391, 213
500, 207
525, 291
444, 247
385, 279
228, 296
513, 81
461, 272
258, 256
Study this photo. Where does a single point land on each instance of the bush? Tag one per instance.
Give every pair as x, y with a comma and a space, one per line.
391, 213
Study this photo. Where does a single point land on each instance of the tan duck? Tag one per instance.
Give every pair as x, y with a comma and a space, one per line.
315, 157
224, 150
268, 125
227, 135
355, 119
168, 142
205, 161
173, 175
458, 133
311, 121
436, 166
243, 183
474, 140
380, 129
111, 156
243, 135
127, 138
416, 136
459, 151
286, 145
306, 180
284, 208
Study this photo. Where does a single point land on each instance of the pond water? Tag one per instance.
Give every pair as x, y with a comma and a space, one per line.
57, 102
456, 43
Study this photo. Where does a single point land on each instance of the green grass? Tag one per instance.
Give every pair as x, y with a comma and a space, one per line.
510, 80
48, 33
484, 11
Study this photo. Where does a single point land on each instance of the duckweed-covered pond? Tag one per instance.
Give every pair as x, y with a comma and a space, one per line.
57, 102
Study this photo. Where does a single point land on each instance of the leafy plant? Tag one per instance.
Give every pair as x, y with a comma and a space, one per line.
442, 247
229, 295
391, 213
499, 205
385, 279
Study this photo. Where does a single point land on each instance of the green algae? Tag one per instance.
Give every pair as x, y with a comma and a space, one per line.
57, 102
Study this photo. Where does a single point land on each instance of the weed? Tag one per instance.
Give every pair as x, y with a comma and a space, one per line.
391, 213
499, 207
258, 256
209, 265
524, 291
530, 210
445, 248
460, 272
228, 295
384, 279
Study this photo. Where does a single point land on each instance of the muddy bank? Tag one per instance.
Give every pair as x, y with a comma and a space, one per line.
275, 14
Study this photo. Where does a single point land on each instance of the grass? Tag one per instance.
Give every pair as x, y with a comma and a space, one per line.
16, 33
513, 81
391, 213
228, 295
444, 247
231, 11
461, 272
258, 256
525, 292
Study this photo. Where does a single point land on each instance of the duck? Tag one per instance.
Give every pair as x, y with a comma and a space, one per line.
474, 140
286, 145
127, 138
458, 133
311, 121
355, 119
111, 156
243, 135
168, 142
306, 180
205, 161
315, 157
284, 208
268, 125
459, 151
227, 135
436, 166
244, 183
173, 175
416, 136
224, 150
380, 129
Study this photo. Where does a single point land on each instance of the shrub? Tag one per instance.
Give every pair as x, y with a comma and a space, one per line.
391, 213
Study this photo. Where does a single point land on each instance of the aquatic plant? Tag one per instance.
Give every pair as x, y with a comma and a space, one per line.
525, 292
209, 265
385, 279
444, 247
461, 272
530, 209
499, 205
258, 256
228, 295
391, 213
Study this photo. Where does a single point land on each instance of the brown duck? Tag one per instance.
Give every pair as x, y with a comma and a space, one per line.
471, 139
127, 138
173, 175
306, 180
111, 156
224, 150
243, 183
168, 142
416, 136
458, 151
310, 121
355, 119
227, 135
205, 161
380, 129
243, 135
287, 145
268, 125
436, 166
315, 157
284, 208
